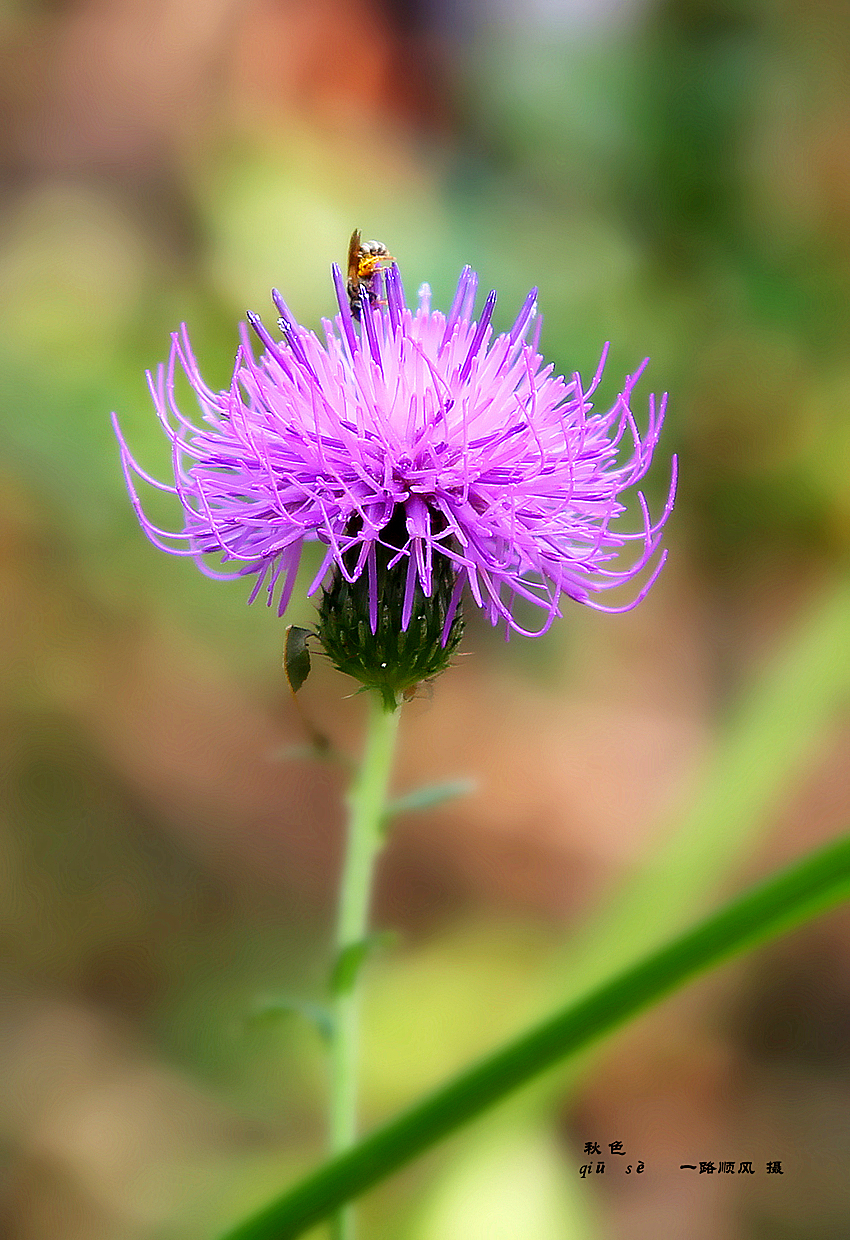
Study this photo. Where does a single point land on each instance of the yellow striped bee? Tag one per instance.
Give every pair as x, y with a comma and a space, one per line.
365, 260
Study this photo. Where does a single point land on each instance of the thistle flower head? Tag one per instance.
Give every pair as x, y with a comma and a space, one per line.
417, 444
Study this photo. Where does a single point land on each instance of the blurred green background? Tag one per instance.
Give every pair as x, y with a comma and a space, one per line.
676, 179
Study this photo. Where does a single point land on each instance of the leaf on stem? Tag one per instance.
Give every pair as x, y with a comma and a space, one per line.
352, 958
429, 796
271, 1007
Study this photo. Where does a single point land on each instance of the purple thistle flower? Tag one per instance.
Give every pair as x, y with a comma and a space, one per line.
421, 443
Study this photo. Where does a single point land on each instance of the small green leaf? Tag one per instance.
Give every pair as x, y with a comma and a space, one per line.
296, 656
429, 796
272, 1007
350, 960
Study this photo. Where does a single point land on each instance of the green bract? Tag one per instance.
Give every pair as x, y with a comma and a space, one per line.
392, 659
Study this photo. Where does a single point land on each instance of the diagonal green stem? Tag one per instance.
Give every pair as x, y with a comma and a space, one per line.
817, 882
367, 802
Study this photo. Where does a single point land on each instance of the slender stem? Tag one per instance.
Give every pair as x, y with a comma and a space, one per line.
813, 884
367, 801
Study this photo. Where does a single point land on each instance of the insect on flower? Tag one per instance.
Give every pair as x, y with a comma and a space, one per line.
365, 260
430, 457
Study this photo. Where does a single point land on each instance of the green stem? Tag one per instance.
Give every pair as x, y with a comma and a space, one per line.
367, 801
810, 886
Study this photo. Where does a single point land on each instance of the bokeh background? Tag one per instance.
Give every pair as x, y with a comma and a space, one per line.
675, 176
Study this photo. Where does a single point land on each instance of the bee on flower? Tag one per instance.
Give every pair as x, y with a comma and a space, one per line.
365, 260
432, 459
